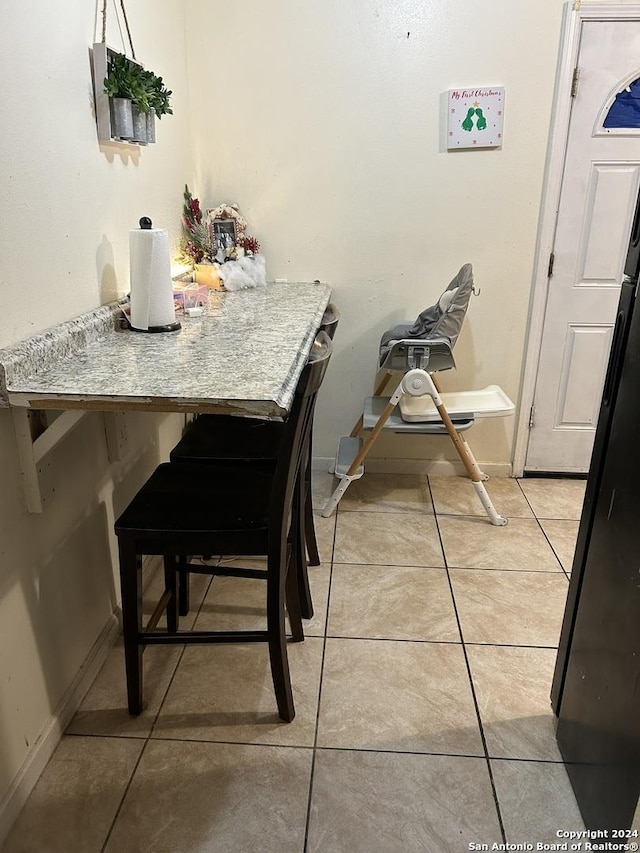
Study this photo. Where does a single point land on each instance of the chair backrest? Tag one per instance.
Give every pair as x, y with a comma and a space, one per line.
330, 320
329, 325
440, 322
444, 319
296, 433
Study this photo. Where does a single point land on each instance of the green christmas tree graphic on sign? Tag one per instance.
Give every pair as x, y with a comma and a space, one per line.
481, 123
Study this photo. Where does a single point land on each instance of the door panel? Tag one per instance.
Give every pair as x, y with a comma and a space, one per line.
611, 199
582, 376
599, 188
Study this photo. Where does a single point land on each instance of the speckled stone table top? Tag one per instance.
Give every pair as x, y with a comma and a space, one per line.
244, 355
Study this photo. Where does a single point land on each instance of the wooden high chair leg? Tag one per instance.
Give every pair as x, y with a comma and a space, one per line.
375, 432
473, 469
418, 382
469, 453
463, 442
350, 476
377, 392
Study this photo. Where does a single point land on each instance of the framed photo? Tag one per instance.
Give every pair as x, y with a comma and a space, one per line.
223, 234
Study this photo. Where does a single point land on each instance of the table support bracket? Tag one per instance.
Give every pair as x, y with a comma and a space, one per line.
32, 450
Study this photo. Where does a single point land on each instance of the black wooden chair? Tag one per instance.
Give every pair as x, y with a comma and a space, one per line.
227, 508
218, 438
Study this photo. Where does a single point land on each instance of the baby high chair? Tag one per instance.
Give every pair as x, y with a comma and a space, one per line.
418, 351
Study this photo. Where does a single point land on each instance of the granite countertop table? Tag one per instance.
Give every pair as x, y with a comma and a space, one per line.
244, 355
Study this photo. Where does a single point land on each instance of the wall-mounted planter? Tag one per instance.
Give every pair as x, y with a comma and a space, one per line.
113, 115
119, 119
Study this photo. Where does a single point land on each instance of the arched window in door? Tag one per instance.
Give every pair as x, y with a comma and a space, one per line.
621, 112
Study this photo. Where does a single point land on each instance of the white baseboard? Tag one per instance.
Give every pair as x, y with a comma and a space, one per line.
50, 737
42, 750
435, 467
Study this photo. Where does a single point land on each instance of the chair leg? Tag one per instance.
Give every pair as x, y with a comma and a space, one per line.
278, 638
310, 531
293, 602
131, 587
298, 525
184, 604
171, 586
309, 526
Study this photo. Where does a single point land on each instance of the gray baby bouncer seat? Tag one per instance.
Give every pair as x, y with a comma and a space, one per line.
419, 350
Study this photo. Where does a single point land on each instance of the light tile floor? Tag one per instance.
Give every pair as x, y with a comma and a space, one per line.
422, 693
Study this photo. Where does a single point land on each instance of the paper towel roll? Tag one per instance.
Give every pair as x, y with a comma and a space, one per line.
150, 278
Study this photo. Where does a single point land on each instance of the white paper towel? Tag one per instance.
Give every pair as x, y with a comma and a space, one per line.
150, 278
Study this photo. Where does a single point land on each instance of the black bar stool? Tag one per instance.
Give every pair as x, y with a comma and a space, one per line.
216, 438
227, 508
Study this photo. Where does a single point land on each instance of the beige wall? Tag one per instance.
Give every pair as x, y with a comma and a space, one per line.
322, 120
66, 207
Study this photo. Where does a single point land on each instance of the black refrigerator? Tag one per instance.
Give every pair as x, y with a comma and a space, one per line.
596, 684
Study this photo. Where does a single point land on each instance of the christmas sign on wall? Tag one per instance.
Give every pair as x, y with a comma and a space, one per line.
476, 117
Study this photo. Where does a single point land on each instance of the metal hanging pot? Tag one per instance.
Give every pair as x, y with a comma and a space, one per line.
139, 125
151, 126
121, 118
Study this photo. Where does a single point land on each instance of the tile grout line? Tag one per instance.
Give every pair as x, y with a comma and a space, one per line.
471, 684
324, 648
544, 533
148, 737
558, 571
439, 642
566, 574
355, 749
124, 795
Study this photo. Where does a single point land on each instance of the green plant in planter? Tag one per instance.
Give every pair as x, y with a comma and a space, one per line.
159, 97
146, 92
127, 79
122, 80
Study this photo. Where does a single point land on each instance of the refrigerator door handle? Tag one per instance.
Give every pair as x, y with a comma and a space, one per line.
614, 361
635, 229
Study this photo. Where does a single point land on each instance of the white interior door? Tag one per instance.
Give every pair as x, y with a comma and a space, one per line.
599, 190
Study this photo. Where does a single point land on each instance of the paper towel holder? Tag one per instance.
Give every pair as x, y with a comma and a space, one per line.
146, 224
169, 327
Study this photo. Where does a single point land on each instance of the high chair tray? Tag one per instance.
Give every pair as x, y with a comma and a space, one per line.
489, 402
374, 406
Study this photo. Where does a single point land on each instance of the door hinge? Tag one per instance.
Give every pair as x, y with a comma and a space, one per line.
531, 417
574, 81
552, 258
